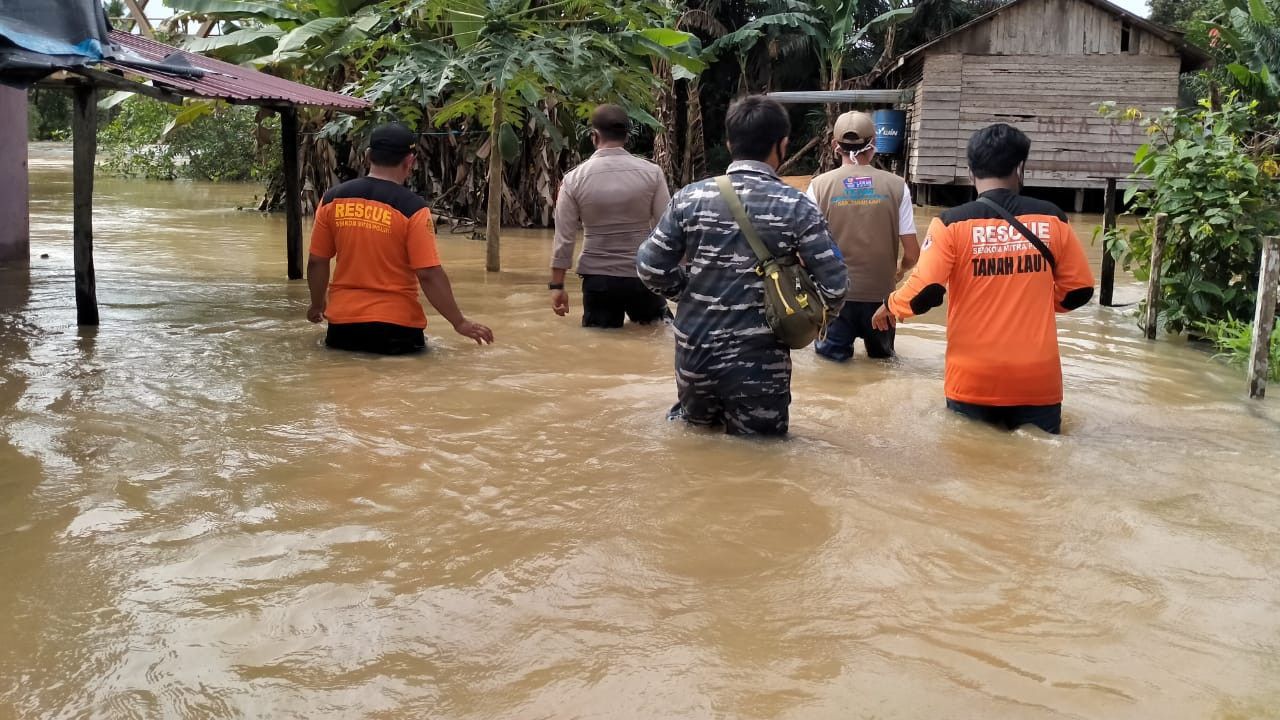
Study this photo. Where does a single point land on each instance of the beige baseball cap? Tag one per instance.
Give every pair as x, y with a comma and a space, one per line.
855, 128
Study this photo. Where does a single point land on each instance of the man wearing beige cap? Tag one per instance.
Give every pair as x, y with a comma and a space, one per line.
870, 215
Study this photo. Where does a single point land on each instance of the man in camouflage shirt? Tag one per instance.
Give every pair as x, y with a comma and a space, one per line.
731, 369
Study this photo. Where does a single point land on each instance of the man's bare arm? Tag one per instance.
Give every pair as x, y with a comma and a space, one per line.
435, 285
910, 254
318, 281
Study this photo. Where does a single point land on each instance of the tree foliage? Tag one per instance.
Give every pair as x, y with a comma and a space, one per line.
444, 66
48, 114
1213, 170
1251, 33
143, 140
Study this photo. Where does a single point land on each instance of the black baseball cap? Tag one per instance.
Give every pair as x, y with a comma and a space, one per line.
393, 138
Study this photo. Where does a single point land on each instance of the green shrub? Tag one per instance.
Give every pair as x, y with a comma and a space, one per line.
48, 114
200, 141
1213, 170
1234, 341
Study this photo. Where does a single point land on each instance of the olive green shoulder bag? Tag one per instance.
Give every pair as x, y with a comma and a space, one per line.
795, 310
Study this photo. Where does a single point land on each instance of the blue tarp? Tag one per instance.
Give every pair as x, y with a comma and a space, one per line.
38, 37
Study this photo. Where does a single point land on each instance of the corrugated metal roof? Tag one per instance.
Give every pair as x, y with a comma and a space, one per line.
222, 80
1193, 58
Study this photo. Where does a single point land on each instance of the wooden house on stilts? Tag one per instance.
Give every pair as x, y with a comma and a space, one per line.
1041, 66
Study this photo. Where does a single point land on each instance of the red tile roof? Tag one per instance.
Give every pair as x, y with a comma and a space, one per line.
224, 81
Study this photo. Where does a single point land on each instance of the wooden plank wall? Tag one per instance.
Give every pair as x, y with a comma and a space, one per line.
1041, 66
914, 122
1053, 27
1071, 144
936, 121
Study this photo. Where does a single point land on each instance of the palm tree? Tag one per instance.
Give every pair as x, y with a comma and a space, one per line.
304, 41
522, 73
514, 69
847, 35
732, 31
679, 146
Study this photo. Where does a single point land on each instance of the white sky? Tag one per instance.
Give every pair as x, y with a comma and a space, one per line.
1137, 7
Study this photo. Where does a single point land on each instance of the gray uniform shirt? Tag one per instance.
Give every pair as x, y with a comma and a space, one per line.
615, 199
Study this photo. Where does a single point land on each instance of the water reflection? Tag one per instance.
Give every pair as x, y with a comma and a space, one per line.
205, 514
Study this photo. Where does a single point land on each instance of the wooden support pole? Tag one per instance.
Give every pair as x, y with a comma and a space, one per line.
1158, 239
1106, 294
15, 231
493, 223
1079, 200
1264, 319
292, 191
84, 152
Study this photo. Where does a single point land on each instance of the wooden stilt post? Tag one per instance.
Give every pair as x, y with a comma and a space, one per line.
1106, 294
84, 152
292, 191
1158, 239
1079, 200
493, 223
1264, 319
15, 232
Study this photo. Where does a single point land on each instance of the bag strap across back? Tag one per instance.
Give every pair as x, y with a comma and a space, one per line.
1026, 234
740, 216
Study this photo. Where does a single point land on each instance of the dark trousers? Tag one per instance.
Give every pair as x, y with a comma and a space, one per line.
376, 337
607, 300
1046, 417
747, 392
853, 322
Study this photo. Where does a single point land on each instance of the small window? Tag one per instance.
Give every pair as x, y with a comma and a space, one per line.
1126, 39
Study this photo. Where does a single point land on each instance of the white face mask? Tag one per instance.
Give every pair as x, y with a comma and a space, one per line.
853, 154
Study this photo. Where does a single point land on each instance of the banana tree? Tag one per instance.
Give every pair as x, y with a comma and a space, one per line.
303, 40
680, 147
503, 67
845, 33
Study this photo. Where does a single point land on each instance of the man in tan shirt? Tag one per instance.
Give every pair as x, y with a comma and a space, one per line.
870, 215
616, 199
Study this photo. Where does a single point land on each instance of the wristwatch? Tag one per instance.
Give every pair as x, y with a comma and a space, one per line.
555, 286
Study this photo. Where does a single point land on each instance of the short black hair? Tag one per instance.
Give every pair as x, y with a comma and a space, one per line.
386, 158
754, 127
997, 150
611, 122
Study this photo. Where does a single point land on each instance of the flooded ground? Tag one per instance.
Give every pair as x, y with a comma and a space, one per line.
205, 514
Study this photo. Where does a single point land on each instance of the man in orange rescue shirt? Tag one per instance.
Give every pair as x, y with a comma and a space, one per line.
382, 235
1002, 338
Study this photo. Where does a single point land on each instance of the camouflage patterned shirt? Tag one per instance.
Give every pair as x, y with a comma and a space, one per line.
698, 257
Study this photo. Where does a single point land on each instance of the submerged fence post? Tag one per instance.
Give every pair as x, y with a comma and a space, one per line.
1106, 294
1264, 319
84, 131
1158, 239
493, 218
292, 191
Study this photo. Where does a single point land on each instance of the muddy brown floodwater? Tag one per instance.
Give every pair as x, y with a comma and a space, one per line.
205, 514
